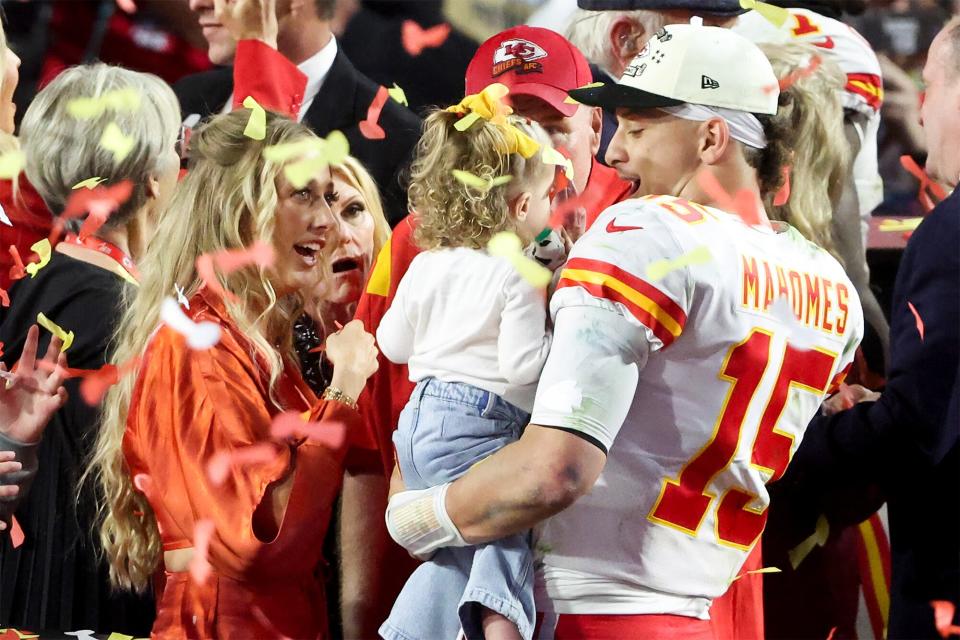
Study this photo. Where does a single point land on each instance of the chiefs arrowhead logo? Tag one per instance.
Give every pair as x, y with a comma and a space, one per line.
518, 54
613, 227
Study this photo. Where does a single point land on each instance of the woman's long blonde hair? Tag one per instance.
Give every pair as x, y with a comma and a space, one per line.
228, 200
8, 142
821, 154
451, 213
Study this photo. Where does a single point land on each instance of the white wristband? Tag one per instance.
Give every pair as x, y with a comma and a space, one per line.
418, 521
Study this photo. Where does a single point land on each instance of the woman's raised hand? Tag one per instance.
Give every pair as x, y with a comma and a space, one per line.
30, 396
354, 356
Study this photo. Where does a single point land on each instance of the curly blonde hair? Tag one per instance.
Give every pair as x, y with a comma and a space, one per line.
228, 200
821, 154
451, 213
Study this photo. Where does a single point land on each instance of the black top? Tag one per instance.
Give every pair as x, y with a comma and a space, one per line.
341, 104
53, 580
905, 447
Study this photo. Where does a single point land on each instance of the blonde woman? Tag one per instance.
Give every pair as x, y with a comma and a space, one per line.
163, 427
474, 335
822, 204
56, 577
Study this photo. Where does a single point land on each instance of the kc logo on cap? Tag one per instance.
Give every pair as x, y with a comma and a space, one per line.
519, 55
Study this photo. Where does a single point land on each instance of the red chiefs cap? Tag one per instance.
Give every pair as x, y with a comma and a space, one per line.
530, 61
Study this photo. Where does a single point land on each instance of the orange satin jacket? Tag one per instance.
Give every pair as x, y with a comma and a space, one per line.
188, 405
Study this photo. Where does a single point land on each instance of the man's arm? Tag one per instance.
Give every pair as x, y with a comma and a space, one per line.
538, 476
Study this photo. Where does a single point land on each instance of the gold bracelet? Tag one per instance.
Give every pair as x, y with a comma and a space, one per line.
332, 393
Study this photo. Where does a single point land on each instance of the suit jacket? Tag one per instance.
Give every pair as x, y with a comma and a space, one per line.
906, 443
340, 105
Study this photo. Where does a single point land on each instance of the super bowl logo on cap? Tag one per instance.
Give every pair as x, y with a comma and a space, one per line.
517, 54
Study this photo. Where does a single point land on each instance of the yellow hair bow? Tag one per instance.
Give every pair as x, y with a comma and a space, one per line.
489, 105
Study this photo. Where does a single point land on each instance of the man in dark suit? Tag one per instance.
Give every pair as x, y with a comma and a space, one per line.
336, 96
904, 446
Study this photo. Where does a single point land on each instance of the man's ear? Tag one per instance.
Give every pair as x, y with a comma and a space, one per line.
520, 206
623, 41
153, 188
596, 125
714, 140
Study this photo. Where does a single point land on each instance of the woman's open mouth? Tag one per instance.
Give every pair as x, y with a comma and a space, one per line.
344, 265
308, 252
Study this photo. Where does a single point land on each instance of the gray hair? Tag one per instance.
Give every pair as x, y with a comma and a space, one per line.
589, 31
62, 150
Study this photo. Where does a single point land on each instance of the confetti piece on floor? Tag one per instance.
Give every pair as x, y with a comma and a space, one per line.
892, 225
11, 164
916, 315
41, 248
758, 572
257, 124
199, 566
292, 424
3, 217
659, 269
16, 533
91, 107
482, 185
219, 466
943, 613
415, 38
370, 127
507, 245
116, 142
398, 94
774, 15
816, 539
89, 183
260, 253
65, 336
199, 335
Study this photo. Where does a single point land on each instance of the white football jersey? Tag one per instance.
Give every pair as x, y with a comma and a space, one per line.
863, 93
694, 349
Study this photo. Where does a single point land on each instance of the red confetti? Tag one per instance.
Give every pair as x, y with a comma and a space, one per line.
416, 38
260, 253
743, 204
97, 204
797, 75
199, 565
783, 194
127, 5
291, 424
928, 188
96, 382
4, 298
221, 462
369, 127
16, 533
319, 349
1, 350
943, 612
17, 271
916, 315
832, 631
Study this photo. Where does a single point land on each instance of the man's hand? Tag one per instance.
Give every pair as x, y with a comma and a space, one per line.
30, 396
848, 396
249, 19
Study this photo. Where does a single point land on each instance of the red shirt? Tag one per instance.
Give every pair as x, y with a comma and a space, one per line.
31, 222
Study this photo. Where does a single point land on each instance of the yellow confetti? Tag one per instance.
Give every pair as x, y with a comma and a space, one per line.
397, 94
906, 224
89, 183
118, 100
332, 150
659, 269
592, 85
758, 571
41, 248
55, 329
257, 125
774, 15
480, 184
119, 636
11, 164
549, 155
114, 140
817, 539
286, 151
507, 245
466, 121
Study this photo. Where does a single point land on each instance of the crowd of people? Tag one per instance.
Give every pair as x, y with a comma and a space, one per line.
583, 345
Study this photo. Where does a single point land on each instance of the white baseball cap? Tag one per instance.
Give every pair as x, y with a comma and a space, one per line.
692, 64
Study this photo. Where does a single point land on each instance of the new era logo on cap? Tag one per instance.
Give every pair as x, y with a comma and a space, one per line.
706, 82
517, 54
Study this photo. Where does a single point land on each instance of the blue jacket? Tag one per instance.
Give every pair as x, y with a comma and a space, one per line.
903, 447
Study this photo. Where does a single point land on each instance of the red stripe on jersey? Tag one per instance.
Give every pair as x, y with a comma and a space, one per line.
867, 86
662, 300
